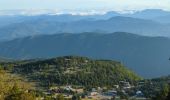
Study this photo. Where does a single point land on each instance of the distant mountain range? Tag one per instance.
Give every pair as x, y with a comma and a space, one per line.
150, 22
3, 59
50, 25
148, 56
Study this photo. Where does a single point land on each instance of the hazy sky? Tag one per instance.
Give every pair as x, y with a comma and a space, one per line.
84, 4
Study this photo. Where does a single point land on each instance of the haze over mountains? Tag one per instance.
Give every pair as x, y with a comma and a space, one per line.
148, 56
141, 23
114, 24
141, 40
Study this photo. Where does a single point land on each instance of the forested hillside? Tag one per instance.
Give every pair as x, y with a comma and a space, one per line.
74, 71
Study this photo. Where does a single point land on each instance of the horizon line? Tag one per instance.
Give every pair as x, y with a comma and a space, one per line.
32, 12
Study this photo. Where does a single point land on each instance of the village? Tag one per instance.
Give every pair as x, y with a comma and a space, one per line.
122, 91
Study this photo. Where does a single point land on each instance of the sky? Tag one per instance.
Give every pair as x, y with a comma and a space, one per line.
85, 5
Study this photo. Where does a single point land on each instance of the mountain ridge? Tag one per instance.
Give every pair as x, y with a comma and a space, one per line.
148, 56
114, 24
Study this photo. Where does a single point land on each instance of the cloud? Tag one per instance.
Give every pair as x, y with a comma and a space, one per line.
82, 5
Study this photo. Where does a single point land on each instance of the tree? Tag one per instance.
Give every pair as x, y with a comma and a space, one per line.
14, 93
15, 89
163, 93
27, 96
76, 97
113, 98
168, 97
17, 94
60, 97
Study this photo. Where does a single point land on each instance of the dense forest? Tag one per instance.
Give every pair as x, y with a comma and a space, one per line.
157, 88
74, 71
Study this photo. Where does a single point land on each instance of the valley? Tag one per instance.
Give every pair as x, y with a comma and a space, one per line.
84, 55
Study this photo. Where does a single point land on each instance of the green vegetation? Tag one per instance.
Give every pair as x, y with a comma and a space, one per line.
74, 71
156, 89
14, 88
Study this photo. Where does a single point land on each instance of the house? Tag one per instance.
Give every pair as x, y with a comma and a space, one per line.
68, 88
94, 90
139, 94
67, 59
111, 93
125, 85
116, 86
86, 61
93, 93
